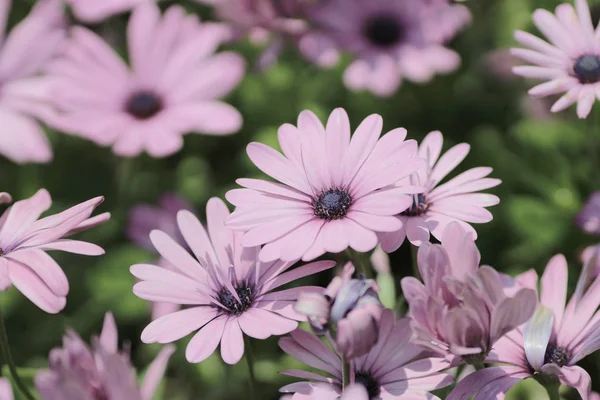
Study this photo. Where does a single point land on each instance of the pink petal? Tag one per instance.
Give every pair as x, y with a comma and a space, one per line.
74, 246
32, 287
417, 231
554, 287
205, 342
450, 160
171, 251
45, 267
363, 141
232, 343
384, 202
155, 373
172, 327
277, 166
109, 338
297, 273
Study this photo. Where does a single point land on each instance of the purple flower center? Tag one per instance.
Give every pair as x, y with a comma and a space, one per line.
556, 355
418, 207
231, 303
369, 383
383, 30
587, 68
332, 204
144, 104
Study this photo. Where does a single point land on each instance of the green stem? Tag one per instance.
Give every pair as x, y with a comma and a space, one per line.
413, 259
250, 363
479, 366
552, 390
345, 373
354, 256
9, 361
124, 174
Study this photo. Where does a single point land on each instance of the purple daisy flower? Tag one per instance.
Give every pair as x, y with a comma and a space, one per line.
334, 192
454, 201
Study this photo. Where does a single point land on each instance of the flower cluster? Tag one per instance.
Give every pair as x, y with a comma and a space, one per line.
333, 196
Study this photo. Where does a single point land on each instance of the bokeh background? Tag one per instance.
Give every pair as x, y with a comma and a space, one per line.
548, 165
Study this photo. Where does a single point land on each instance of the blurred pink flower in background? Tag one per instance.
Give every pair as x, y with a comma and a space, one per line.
80, 372
350, 308
225, 285
395, 368
143, 219
500, 63
552, 342
459, 308
171, 89
24, 92
24, 240
454, 201
335, 192
94, 11
570, 63
390, 40
588, 218
6, 392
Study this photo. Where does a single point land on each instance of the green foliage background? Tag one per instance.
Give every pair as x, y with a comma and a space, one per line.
548, 169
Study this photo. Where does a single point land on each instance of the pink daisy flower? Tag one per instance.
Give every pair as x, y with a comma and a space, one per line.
78, 372
172, 87
25, 96
395, 368
227, 289
143, 219
552, 342
570, 63
391, 40
460, 309
334, 192
24, 240
454, 201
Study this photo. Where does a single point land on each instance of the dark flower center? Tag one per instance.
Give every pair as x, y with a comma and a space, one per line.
556, 355
332, 204
234, 306
144, 104
383, 30
474, 359
587, 68
372, 386
418, 207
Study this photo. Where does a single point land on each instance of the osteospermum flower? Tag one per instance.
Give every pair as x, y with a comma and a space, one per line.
461, 309
24, 240
227, 290
172, 87
143, 219
454, 201
335, 192
80, 372
570, 63
26, 98
552, 342
391, 40
395, 368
